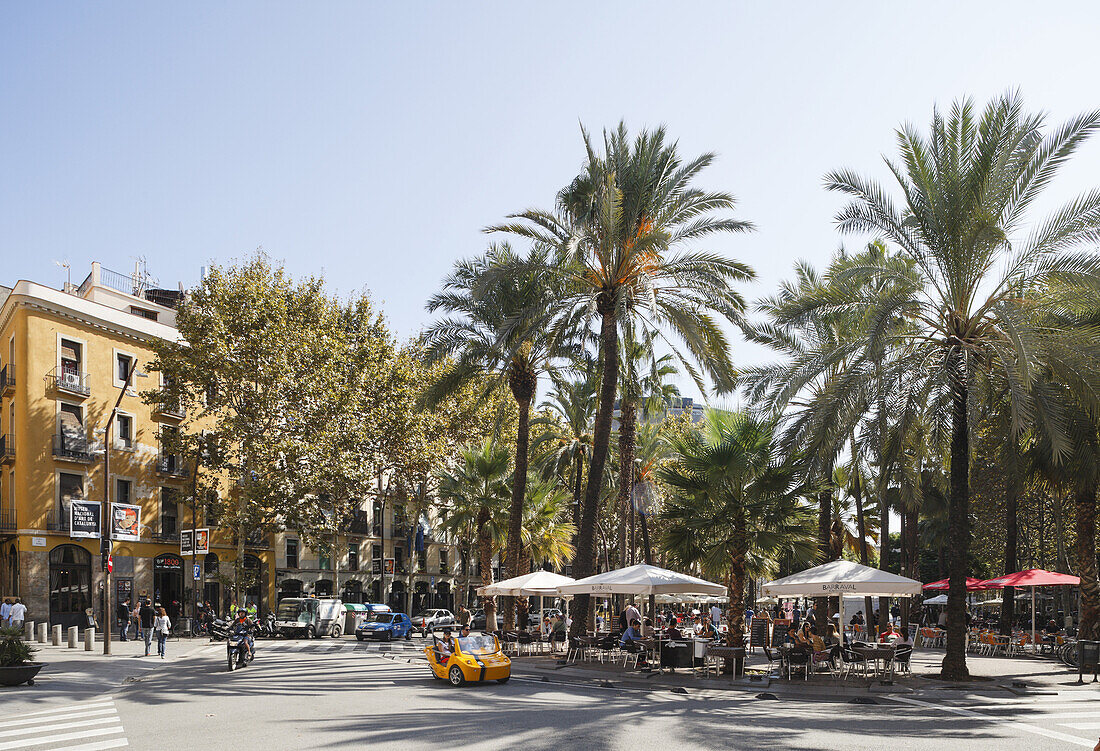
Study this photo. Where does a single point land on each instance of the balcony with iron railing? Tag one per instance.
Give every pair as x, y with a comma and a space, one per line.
68, 381
57, 522
72, 449
359, 524
171, 465
170, 409
7, 449
7, 520
7, 378
162, 536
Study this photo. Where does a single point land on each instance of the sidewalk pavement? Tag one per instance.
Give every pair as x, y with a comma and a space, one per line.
994, 676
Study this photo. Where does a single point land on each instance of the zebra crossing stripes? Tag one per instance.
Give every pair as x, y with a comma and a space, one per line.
82, 726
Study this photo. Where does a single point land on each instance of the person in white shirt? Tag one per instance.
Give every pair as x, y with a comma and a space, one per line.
632, 614
5, 612
161, 627
17, 614
716, 615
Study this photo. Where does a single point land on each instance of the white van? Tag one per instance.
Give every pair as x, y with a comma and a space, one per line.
310, 617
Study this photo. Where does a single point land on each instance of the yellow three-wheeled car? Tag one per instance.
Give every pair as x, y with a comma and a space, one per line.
468, 658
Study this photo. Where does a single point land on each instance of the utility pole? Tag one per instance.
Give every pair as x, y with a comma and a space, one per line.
104, 517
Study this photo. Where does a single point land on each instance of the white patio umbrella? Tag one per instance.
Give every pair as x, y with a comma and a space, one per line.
536, 584
937, 600
842, 579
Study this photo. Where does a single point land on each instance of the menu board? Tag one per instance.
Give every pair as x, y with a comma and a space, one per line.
779, 630
758, 633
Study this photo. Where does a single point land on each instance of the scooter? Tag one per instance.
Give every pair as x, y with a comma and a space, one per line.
265, 627
219, 629
236, 654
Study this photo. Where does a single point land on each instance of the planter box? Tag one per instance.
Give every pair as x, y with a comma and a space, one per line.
18, 674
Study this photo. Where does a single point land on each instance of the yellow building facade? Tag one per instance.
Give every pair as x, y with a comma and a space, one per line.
64, 357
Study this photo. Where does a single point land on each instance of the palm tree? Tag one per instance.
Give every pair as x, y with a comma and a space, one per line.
475, 496
735, 506
617, 231
965, 192
478, 333
566, 432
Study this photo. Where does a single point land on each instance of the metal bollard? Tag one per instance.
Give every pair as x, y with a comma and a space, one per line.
28, 631
74, 636
43, 629
89, 639
55, 635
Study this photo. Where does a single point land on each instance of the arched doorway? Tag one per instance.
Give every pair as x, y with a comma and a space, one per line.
422, 597
290, 588
211, 587
353, 591
168, 583
323, 588
253, 567
70, 585
376, 590
397, 597
443, 596
13, 571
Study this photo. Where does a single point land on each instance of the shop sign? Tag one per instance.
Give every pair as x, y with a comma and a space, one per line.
168, 563
125, 522
84, 517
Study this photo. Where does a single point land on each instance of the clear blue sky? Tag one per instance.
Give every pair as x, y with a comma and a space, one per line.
371, 142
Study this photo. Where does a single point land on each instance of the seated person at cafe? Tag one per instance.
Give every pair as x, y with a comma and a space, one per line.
632, 640
671, 631
857, 619
805, 635
698, 626
706, 629
890, 634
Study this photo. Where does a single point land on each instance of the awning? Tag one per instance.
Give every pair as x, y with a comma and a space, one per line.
642, 579
535, 584
842, 577
1033, 577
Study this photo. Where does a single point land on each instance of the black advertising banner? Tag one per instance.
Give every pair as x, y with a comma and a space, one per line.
187, 542
84, 518
376, 566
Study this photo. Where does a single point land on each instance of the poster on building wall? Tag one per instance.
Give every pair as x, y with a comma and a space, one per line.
388, 567
84, 517
376, 566
202, 541
187, 542
125, 522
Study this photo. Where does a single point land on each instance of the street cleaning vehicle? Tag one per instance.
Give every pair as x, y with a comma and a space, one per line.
310, 617
468, 659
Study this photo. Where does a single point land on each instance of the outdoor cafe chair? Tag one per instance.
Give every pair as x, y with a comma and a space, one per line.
771, 658
851, 660
902, 657
798, 659
822, 658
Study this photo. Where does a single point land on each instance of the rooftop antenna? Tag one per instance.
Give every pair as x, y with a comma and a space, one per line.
68, 273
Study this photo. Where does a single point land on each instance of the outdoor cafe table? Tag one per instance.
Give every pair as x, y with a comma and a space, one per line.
883, 653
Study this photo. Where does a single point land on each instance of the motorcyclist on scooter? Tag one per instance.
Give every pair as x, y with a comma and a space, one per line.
243, 624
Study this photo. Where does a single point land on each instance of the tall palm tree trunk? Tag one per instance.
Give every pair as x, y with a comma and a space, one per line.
522, 381
601, 438
1012, 533
627, 430
883, 554
861, 529
578, 487
1085, 500
485, 564
735, 609
954, 661
912, 562
825, 546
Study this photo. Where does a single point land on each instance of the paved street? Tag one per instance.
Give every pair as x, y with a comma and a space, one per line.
327, 694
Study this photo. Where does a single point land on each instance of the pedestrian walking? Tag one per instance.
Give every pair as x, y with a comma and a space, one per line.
716, 615
463, 616
146, 618
17, 614
161, 627
5, 612
124, 620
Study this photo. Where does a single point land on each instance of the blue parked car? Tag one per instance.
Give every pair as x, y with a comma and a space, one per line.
385, 626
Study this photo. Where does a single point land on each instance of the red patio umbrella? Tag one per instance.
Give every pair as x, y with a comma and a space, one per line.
972, 585
1033, 577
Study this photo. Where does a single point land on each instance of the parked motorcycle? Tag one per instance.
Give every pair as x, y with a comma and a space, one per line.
219, 629
265, 627
236, 653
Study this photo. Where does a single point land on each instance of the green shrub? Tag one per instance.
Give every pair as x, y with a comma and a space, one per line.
13, 650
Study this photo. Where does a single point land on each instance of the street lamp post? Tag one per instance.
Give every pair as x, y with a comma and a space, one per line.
105, 531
